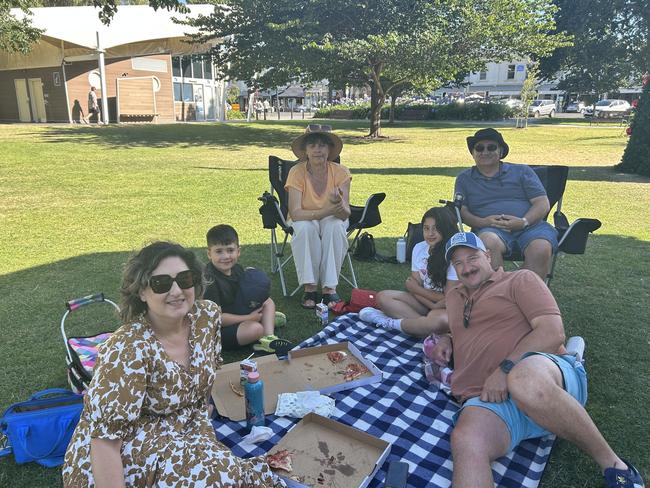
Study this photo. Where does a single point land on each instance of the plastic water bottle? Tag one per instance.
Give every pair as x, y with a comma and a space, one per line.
401, 250
254, 394
576, 346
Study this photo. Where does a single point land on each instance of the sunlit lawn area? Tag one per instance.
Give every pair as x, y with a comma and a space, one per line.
75, 201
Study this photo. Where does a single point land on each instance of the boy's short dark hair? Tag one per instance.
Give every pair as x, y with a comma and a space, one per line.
223, 234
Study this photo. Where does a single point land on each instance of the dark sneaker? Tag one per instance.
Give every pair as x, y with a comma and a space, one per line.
623, 478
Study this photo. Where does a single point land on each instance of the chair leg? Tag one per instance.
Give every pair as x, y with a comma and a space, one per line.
549, 276
352, 281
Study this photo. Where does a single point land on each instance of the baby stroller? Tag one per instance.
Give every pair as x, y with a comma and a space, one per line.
81, 352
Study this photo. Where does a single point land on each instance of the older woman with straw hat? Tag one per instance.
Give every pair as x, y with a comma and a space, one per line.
319, 207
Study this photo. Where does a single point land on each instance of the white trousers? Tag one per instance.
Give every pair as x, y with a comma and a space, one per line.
318, 248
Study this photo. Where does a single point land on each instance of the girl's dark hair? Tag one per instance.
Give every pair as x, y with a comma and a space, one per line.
138, 270
447, 227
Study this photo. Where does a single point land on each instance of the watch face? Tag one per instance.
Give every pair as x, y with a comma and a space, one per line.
506, 365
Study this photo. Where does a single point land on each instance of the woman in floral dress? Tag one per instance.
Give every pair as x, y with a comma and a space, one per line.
145, 420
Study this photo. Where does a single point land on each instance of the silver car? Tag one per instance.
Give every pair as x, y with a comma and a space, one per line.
542, 107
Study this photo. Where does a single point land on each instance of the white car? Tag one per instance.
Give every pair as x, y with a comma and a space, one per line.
612, 108
542, 107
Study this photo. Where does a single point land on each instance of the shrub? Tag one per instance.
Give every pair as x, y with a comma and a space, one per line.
454, 111
472, 111
235, 115
636, 158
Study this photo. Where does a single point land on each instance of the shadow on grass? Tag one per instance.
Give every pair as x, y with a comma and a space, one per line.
232, 135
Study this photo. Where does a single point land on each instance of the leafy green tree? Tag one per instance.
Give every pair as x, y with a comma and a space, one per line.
386, 43
611, 45
528, 94
636, 158
16, 35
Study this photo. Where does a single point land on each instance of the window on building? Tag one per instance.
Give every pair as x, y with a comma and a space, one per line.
482, 75
176, 66
183, 92
207, 68
188, 93
511, 71
197, 67
186, 67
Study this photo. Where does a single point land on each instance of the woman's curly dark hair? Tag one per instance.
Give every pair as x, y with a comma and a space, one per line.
447, 227
138, 270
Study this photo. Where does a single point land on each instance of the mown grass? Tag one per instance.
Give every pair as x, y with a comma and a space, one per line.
75, 201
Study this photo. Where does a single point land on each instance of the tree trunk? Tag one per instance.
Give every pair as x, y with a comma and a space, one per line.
377, 99
391, 114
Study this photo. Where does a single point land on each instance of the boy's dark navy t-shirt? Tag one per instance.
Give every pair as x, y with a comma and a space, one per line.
223, 289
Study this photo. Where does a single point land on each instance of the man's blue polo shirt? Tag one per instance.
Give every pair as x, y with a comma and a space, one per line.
508, 192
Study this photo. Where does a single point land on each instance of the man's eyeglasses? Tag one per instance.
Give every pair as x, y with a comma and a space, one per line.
163, 283
467, 311
489, 148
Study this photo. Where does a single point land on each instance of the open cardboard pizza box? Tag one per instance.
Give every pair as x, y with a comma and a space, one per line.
327, 453
304, 370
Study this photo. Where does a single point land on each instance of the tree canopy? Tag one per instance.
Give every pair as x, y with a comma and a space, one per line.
611, 48
386, 43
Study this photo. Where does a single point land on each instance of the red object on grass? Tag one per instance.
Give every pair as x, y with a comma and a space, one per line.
628, 131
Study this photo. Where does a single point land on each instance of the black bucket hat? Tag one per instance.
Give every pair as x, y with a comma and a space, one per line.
489, 134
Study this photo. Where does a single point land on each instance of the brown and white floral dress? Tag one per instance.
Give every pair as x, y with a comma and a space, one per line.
157, 408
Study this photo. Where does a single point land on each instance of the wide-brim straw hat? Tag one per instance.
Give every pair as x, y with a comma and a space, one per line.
336, 144
488, 135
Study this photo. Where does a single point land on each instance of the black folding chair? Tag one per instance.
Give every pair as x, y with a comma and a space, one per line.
275, 209
572, 238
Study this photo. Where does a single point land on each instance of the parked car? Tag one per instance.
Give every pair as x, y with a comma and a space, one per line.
576, 107
542, 107
514, 103
612, 108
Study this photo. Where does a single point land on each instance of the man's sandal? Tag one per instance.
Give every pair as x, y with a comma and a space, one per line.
272, 344
330, 299
308, 296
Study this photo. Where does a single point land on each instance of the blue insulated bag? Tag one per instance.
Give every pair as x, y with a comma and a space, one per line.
40, 428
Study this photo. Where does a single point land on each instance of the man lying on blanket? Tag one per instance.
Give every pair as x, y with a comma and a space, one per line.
512, 372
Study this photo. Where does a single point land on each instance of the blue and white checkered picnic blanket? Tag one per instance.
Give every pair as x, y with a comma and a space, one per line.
403, 409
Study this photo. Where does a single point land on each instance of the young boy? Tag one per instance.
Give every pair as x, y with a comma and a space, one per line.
248, 313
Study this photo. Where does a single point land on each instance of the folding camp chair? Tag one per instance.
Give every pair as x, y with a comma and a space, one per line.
275, 209
572, 239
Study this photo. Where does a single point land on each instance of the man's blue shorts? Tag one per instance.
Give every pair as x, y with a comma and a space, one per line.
521, 426
518, 241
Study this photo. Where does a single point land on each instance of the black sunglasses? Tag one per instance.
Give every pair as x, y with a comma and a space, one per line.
467, 311
163, 283
490, 148
319, 128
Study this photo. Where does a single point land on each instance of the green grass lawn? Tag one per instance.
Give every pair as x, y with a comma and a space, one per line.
76, 201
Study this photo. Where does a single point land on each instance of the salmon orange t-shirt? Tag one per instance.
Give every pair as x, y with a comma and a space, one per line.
298, 178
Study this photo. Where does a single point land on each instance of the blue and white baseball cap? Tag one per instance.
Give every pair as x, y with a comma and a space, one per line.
465, 239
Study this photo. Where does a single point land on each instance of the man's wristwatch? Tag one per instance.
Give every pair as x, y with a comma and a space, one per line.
506, 365
526, 224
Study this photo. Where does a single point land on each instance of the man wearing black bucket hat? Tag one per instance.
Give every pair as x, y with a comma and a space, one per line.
505, 204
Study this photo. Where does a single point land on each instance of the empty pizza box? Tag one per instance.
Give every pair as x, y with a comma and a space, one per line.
304, 370
327, 453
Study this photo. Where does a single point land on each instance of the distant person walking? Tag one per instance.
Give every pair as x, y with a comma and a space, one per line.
93, 105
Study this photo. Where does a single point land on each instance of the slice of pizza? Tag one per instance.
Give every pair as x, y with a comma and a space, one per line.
354, 371
280, 460
337, 356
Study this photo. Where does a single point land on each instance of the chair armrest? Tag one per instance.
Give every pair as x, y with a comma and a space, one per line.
574, 239
272, 214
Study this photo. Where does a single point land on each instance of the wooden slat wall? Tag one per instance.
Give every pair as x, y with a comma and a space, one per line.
136, 96
78, 86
